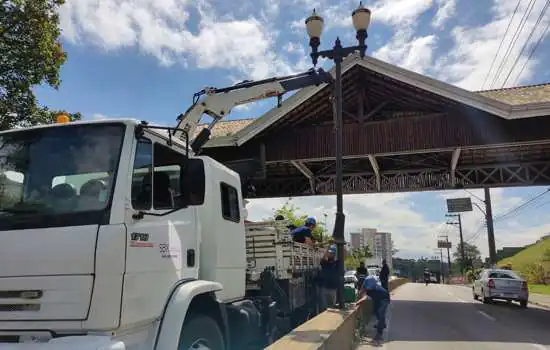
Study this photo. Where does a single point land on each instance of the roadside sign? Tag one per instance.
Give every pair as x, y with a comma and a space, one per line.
444, 245
459, 205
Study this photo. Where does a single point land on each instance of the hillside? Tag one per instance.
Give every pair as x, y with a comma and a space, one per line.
533, 262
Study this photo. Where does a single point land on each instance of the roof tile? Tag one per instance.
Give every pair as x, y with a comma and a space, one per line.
520, 95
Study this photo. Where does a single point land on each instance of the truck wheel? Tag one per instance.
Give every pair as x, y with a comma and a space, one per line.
201, 333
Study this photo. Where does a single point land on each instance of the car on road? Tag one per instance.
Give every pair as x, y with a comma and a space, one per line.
500, 284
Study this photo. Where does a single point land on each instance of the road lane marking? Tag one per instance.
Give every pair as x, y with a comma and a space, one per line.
486, 315
457, 298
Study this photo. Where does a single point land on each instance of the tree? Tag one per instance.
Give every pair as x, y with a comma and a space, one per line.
30, 54
290, 212
355, 256
472, 256
393, 249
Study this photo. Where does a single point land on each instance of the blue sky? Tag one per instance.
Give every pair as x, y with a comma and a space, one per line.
146, 58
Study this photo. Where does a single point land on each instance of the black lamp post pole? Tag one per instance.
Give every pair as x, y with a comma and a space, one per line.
337, 54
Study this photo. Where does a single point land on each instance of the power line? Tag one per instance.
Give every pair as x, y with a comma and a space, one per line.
515, 37
532, 52
477, 233
500, 45
539, 19
522, 205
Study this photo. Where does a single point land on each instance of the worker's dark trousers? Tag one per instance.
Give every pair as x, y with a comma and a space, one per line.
384, 285
380, 310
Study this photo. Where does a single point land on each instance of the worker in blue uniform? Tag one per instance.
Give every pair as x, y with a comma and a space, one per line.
304, 234
380, 302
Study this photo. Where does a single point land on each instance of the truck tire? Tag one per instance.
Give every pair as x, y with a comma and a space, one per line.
201, 332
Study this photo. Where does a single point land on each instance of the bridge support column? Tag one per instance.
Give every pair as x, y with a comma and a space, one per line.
306, 172
454, 163
376, 169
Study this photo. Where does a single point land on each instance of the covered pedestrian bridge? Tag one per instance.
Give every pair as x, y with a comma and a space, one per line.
402, 132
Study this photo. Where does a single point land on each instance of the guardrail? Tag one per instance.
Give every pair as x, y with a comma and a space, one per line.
333, 329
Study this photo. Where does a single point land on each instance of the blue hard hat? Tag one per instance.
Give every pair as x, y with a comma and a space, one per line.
311, 221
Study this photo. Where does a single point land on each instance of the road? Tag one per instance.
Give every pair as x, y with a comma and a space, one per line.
446, 317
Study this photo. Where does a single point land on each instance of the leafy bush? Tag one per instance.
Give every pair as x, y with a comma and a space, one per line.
534, 273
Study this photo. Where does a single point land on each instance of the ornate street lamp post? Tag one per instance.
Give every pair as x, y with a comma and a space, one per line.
314, 26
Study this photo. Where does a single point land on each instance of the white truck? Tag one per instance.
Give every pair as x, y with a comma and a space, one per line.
116, 235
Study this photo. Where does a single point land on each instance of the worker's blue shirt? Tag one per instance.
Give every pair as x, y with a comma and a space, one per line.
329, 276
375, 291
299, 234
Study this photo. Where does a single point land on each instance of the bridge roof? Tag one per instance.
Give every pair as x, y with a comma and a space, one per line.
401, 132
509, 103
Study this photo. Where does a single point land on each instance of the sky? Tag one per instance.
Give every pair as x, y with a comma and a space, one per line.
145, 58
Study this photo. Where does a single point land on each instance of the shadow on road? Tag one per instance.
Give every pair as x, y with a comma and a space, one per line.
438, 321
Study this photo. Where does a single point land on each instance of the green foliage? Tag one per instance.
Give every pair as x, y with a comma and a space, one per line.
355, 256
472, 256
9, 191
473, 274
30, 55
291, 213
533, 262
534, 273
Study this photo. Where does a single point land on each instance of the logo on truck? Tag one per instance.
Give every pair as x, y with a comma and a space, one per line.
141, 240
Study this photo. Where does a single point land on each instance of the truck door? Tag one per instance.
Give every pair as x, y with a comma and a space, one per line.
162, 243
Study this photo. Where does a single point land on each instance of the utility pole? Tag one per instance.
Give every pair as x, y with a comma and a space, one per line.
459, 224
441, 263
490, 227
448, 257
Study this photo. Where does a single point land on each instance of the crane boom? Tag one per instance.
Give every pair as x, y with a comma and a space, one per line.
218, 103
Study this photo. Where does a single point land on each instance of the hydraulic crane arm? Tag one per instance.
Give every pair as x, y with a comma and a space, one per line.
217, 103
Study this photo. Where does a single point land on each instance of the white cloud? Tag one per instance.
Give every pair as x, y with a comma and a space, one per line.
469, 60
410, 52
162, 29
446, 10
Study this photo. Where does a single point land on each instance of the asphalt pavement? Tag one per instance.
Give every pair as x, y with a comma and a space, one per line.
446, 317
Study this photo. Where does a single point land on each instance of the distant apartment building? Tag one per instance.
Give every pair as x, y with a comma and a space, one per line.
380, 244
381, 247
356, 240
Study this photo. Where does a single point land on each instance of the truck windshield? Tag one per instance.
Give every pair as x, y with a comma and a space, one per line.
58, 176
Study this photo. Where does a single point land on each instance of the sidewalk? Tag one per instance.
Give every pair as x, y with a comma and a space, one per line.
540, 300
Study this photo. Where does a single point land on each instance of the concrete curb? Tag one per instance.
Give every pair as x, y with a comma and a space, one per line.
546, 306
333, 329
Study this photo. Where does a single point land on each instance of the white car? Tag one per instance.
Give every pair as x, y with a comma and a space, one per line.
350, 277
375, 272
500, 284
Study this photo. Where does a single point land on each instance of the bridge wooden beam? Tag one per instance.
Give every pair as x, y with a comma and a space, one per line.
306, 172
454, 162
376, 169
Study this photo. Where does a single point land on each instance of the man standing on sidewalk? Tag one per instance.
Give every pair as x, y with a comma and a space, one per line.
329, 278
384, 274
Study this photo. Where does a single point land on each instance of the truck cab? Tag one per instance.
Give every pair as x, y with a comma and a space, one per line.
112, 229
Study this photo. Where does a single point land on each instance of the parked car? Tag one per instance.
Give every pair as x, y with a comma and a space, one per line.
502, 285
375, 272
350, 277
